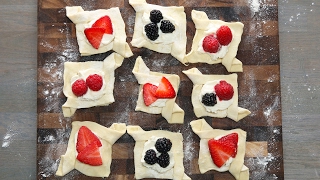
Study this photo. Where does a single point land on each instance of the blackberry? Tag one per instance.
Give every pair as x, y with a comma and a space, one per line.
209, 99
164, 160
150, 157
163, 145
155, 16
151, 30
166, 26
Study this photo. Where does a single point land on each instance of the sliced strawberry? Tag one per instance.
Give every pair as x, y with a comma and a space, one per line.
90, 155
165, 89
211, 44
79, 87
224, 148
85, 138
224, 35
94, 36
224, 90
104, 22
149, 93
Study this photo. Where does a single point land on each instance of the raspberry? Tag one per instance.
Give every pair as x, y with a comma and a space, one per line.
163, 145
211, 44
209, 99
94, 82
164, 160
224, 35
166, 26
155, 16
150, 157
151, 30
224, 90
79, 87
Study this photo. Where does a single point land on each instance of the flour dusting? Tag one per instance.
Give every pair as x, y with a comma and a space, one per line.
12, 131
189, 149
254, 5
259, 167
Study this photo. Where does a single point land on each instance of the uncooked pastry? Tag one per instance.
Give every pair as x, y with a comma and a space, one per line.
203, 24
141, 136
206, 132
71, 69
107, 136
171, 111
177, 46
84, 19
233, 111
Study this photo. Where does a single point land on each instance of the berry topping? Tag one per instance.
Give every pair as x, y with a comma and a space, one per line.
155, 16
224, 148
209, 99
149, 93
163, 145
224, 90
94, 82
151, 30
224, 35
211, 44
166, 26
90, 155
164, 160
150, 157
165, 89
85, 138
105, 23
94, 36
79, 87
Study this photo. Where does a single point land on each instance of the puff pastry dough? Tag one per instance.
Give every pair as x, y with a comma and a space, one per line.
233, 111
141, 136
107, 136
84, 19
203, 24
71, 69
206, 132
177, 46
171, 111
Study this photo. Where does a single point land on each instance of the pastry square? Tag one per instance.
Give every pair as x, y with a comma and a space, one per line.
226, 53
166, 33
114, 41
219, 102
206, 132
146, 140
166, 107
107, 137
74, 71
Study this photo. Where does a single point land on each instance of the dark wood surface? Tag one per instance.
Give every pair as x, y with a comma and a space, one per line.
299, 51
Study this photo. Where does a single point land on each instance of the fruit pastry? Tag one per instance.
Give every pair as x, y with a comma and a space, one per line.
215, 95
99, 31
215, 41
90, 148
157, 93
221, 150
157, 154
161, 29
88, 84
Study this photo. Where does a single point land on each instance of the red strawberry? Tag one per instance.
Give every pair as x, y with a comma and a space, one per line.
224, 148
165, 89
224, 35
210, 44
90, 155
94, 82
149, 93
94, 36
79, 87
104, 22
224, 90
85, 138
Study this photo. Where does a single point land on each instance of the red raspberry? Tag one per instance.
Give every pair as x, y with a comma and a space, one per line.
94, 82
210, 44
224, 35
224, 90
79, 87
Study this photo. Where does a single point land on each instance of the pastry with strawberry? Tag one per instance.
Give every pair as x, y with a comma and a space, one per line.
215, 95
99, 31
90, 148
157, 93
215, 42
221, 150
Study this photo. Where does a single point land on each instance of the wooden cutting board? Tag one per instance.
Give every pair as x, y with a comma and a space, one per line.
259, 87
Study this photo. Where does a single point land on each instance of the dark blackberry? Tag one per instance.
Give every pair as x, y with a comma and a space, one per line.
163, 145
209, 99
164, 160
155, 16
150, 157
166, 26
151, 30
